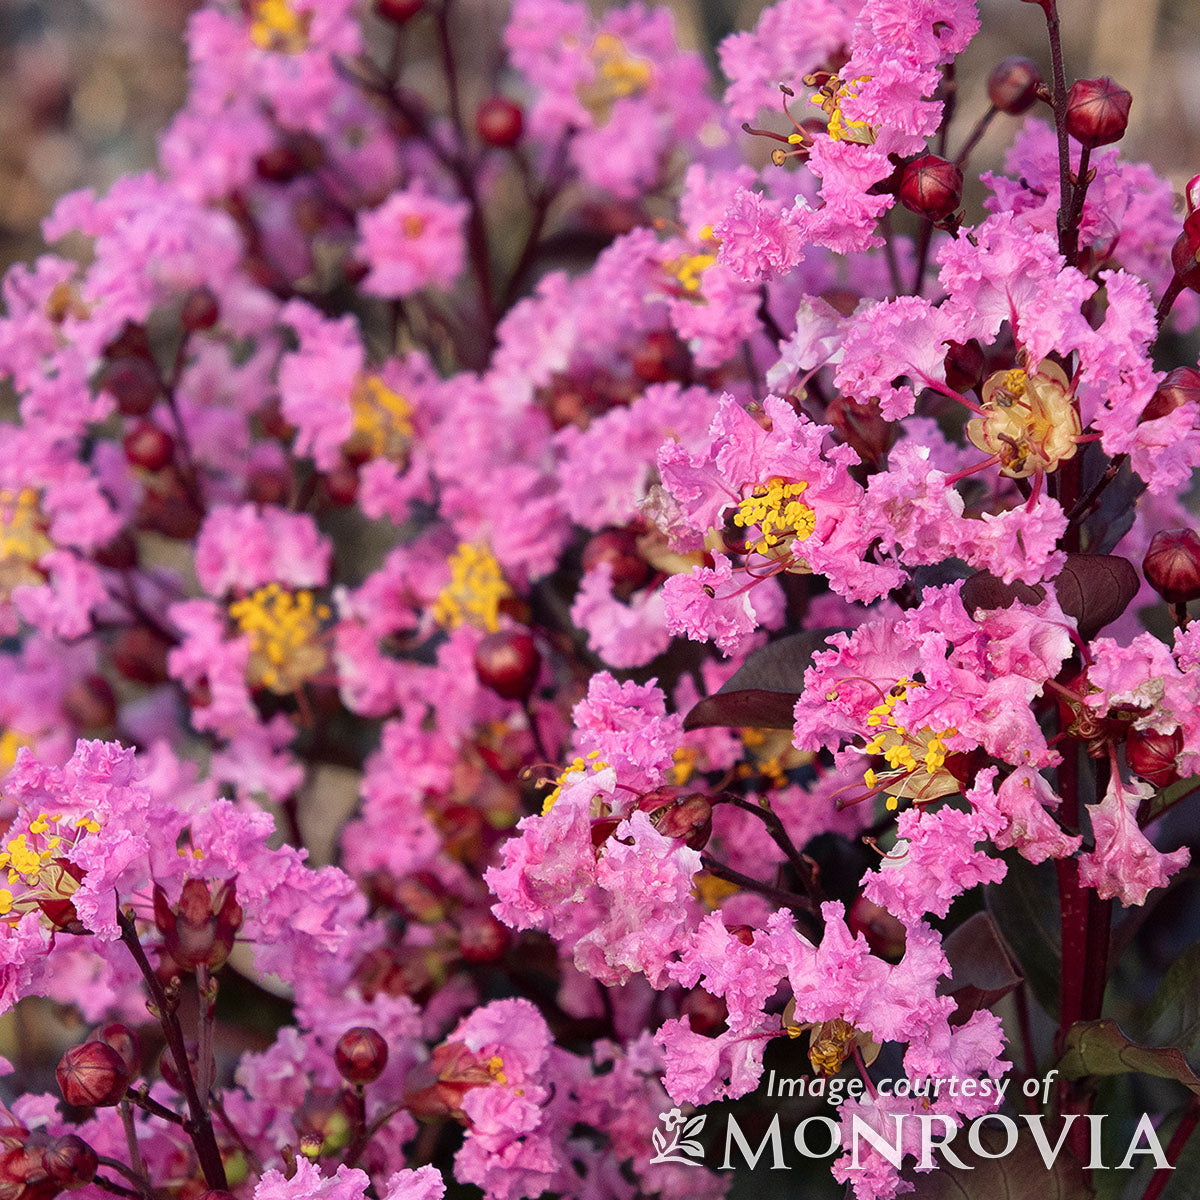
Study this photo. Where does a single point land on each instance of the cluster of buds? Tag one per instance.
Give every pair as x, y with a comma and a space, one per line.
35, 1166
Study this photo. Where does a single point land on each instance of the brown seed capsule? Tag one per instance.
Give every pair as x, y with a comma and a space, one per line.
92, 1075
1097, 111
508, 662
931, 187
499, 122
1152, 756
1172, 565
1013, 85
360, 1055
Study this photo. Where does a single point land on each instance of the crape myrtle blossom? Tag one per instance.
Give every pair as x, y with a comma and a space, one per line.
683, 590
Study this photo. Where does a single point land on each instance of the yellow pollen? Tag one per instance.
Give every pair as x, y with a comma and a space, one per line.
6, 901
781, 516
475, 591
1030, 422
495, 1068
383, 425
23, 539
831, 1044
572, 774
618, 75
685, 759
412, 226
277, 26
842, 128
283, 628
711, 890
10, 742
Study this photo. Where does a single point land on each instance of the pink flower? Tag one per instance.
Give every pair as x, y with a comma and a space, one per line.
758, 241
240, 549
623, 633
411, 241
1017, 814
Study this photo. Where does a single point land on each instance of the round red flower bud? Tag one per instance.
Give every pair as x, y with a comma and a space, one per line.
341, 485
149, 447
1172, 565
398, 11
1097, 111
1013, 85
70, 1162
481, 938
931, 187
660, 358
1181, 386
705, 1012
166, 1066
743, 933
124, 1041
508, 662
884, 933
265, 485
618, 548
200, 310
140, 654
133, 383
964, 365
499, 122
360, 1055
92, 1075
1152, 756
280, 164
1185, 262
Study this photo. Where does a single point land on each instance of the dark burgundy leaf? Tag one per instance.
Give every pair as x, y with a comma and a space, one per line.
762, 692
981, 967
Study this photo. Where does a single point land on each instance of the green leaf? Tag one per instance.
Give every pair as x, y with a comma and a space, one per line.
1103, 1048
1173, 1016
763, 691
1024, 906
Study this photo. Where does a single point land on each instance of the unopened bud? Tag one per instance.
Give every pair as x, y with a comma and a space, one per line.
481, 938
149, 446
689, 819
1152, 756
508, 662
705, 1012
124, 1041
133, 383
964, 365
618, 548
200, 310
499, 122
92, 1075
1181, 386
70, 1162
1013, 85
1172, 565
1097, 111
931, 187
660, 358
360, 1055
398, 11
199, 930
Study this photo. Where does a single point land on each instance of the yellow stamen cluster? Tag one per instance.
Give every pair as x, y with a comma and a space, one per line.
685, 760
10, 742
831, 1043
689, 269
283, 628
619, 75
573, 774
711, 890
1030, 421
495, 1068
781, 517
842, 128
34, 864
383, 425
23, 539
475, 591
277, 26
916, 760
